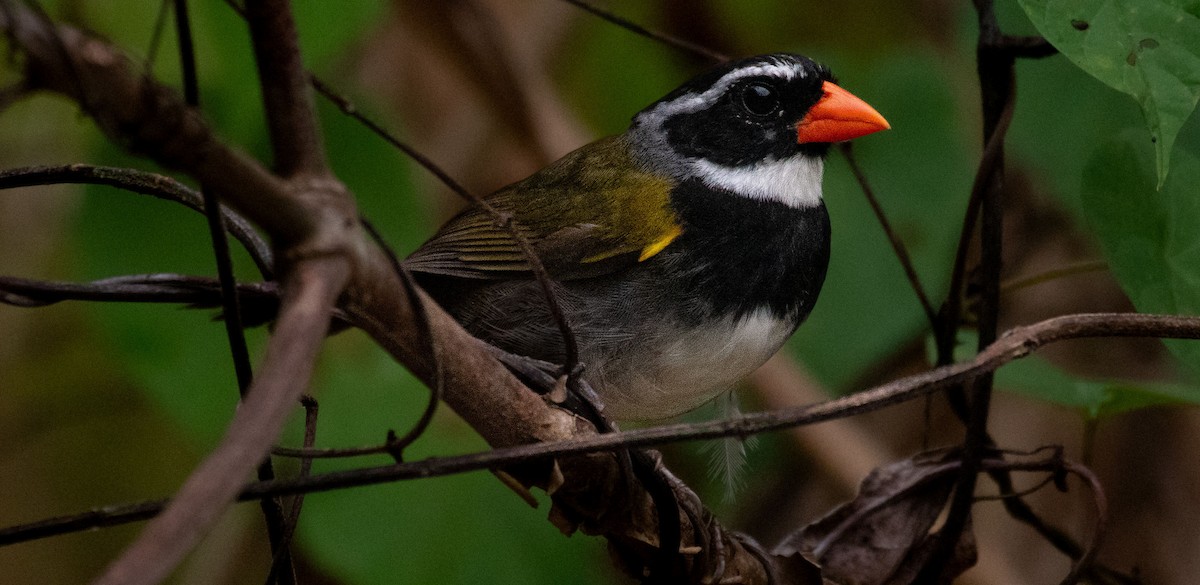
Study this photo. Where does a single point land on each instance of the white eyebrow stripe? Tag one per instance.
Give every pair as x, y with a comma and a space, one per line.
693, 101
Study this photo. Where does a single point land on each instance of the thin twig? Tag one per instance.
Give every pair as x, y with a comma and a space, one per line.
198, 291
1017, 494
897, 244
160, 25
1077, 268
1085, 562
220, 245
661, 37
950, 314
501, 219
144, 183
1014, 344
311, 410
998, 94
396, 446
312, 453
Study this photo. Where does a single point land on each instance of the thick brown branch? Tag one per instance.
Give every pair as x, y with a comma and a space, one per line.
291, 116
312, 221
150, 119
312, 217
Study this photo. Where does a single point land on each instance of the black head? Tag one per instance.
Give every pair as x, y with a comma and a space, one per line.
743, 111
753, 127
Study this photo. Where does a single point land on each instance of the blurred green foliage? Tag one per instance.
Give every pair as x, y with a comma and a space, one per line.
469, 529
1093, 399
1150, 235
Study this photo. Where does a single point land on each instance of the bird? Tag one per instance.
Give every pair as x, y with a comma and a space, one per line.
683, 252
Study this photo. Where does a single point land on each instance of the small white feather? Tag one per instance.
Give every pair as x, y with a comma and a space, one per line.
727, 457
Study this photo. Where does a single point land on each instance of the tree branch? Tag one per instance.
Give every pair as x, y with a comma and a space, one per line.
145, 183
1014, 344
313, 223
312, 217
150, 119
997, 81
635, 28
139, 288
231, 310
291, 116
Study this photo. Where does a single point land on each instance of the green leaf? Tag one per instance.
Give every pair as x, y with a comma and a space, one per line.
1149, 49
1151, 239
1038, 378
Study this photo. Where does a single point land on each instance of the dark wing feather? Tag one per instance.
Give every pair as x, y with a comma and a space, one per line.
591, 213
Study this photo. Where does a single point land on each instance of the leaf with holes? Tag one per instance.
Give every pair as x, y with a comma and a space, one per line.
1149, 49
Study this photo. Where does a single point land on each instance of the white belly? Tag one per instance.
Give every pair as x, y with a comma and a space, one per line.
690, 367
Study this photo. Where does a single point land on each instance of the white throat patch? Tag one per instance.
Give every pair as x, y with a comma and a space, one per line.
794, 181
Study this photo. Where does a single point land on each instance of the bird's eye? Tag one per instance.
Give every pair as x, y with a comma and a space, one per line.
760, 99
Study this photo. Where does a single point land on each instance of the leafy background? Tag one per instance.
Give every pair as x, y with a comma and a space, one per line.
105, 404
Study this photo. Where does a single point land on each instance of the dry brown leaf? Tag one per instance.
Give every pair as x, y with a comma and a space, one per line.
883, 535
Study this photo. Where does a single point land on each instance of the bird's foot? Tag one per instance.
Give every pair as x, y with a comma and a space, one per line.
562, 388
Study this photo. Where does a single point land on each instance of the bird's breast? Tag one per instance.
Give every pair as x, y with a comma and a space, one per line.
690, 364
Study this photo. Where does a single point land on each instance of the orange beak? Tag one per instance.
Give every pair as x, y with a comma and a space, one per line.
837, 117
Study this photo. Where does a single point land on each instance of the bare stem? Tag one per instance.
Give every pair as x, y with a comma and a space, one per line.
664, 38
145, 183
1014, 344
287, 101
898, 246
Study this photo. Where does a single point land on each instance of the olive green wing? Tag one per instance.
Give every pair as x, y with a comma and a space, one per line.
593, 212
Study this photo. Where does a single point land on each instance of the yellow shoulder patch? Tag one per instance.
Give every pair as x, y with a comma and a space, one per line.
661, 243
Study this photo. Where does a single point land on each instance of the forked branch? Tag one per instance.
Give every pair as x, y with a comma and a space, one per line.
314, 227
